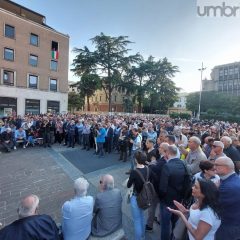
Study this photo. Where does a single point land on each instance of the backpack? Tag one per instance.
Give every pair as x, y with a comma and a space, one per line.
187, 187
146, 197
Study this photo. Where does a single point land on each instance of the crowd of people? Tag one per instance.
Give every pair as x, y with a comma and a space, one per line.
167, 152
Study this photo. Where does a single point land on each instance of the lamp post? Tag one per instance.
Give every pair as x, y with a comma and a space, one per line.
200, 93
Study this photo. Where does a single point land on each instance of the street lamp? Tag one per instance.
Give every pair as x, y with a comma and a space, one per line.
200, 93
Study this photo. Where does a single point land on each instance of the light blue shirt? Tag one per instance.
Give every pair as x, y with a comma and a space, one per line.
76, 218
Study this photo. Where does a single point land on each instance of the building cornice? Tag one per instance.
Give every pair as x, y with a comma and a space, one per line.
34, 23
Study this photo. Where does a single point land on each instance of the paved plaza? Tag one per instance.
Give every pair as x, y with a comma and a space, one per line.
49, 173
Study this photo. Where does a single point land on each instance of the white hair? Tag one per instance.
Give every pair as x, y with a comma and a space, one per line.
81, 186
227, 139
196, 140
173, 150
227, 161
28, 208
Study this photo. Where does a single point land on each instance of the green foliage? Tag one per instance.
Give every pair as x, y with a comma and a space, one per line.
131, 74
110, 60
215, 105
180, 115
74, 101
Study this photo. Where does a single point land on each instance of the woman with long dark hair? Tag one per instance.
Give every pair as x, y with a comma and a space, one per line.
203, 219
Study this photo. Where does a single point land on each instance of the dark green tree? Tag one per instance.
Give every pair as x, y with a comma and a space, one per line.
109, 60
75, 102
88, 85
214, 103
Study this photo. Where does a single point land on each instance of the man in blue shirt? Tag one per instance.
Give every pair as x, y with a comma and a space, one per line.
77, 213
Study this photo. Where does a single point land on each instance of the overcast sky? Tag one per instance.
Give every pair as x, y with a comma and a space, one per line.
161, 28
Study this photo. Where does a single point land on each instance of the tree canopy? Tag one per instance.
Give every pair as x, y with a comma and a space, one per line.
115, 69
215, 104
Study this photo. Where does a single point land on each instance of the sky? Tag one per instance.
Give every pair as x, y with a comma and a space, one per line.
161, 28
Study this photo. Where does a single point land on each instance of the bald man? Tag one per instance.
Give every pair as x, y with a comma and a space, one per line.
107, 208
229, 198
30, 224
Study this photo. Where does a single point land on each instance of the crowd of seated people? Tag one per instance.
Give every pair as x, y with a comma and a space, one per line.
82, 216
165, 151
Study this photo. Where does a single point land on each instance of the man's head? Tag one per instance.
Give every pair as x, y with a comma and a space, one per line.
224, 166
218, 147
106, 182
170, 139
28, 206
227, 141
172, 151
177, 131
162, 136
194, 143
163, 149
150, 143
81, 186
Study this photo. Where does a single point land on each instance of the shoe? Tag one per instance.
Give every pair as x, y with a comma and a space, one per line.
24, 146
15, 148
83, 148
128, 172
120, 159
88, 149
148, 229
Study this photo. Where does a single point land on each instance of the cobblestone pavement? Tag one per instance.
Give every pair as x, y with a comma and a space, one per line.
46, 173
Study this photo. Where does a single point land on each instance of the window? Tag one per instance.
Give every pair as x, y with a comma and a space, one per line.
8, 77
32, 106
54, 49
9, 31
100, 98
34, 39
33, 81
54, 65
115, 98
33, 60
53, 85
53, 106
8, 54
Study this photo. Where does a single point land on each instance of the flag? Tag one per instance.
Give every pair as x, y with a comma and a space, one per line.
55, 54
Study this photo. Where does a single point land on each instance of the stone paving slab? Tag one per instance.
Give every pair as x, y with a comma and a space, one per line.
47, 173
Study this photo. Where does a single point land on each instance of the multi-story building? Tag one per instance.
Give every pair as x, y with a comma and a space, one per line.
33, 63
224, 78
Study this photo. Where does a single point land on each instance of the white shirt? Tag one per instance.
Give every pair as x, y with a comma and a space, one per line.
206, 215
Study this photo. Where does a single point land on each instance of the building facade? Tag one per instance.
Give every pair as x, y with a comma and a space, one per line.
33, 63
224, 78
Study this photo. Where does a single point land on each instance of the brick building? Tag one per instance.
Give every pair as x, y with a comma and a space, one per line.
33, 63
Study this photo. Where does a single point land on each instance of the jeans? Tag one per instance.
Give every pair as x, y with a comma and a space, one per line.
138, 219
132, 159
166, 219
100, 148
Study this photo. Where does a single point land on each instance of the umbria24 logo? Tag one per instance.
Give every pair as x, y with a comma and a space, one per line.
218, 8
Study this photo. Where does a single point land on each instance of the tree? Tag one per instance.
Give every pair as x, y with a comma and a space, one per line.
152, 79
88, 85
74, 101
214, 103
109, 61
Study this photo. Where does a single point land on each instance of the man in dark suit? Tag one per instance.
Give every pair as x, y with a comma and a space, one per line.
170, 188
109, 138
30, 225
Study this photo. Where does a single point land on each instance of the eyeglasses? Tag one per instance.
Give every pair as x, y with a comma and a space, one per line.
215, 146
219, 165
